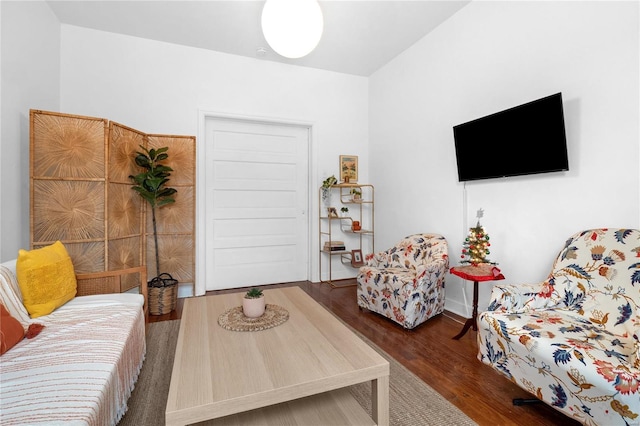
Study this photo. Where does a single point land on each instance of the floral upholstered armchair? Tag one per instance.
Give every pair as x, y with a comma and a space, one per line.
406, 282
572, 340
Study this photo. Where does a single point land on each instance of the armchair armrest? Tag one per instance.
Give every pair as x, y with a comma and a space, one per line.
112, 282
377, 260
521, 298
438, 266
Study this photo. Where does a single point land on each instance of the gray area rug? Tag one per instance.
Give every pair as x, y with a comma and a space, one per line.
412, 402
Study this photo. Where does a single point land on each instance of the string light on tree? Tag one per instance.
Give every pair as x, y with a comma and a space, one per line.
476, 246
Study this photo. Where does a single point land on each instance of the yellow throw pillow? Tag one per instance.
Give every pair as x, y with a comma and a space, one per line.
46, 278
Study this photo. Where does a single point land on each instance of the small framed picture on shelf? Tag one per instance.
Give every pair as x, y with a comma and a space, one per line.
332, 212
349, 168
356, 258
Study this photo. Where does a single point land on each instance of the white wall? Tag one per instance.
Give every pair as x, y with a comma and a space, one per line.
160, 88
488, 57
30, 78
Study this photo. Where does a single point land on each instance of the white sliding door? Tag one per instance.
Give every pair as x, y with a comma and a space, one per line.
256, 202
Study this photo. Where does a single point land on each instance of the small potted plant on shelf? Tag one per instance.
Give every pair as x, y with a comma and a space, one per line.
326, 188
253, 303
345, 211
356, 194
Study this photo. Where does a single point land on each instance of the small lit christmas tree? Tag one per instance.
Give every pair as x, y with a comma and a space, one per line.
476, 246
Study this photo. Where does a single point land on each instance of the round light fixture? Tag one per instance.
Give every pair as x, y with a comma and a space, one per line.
292, 27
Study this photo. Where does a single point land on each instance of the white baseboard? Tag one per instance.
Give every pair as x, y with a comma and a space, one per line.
185, 290
458, 308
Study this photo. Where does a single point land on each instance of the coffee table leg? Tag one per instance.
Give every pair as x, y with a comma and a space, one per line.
380, 400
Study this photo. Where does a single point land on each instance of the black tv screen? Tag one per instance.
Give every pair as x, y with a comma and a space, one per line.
523, 140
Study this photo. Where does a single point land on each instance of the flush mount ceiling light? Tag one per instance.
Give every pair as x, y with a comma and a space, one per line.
292, 27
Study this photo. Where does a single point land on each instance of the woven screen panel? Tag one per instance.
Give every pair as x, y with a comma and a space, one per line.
176, 256
126, 253
86, 256
126, 208
175, 222
124, 211
67, 210
178, 217
182, 157
67, 146
99, 218
124, 142
68, 185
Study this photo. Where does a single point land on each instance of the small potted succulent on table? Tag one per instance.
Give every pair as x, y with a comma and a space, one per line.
345, 211
253, 303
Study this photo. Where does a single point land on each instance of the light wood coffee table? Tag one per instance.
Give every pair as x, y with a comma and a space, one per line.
294, 373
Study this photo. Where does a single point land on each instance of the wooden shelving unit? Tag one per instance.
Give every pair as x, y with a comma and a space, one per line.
332, 229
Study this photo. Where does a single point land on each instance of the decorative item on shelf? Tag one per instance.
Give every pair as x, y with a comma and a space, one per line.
332, 212
476, 246
355, 226
345, 211
349, 168
326, 189
151, 185
356, 194
334, 245
356, 258
253, 303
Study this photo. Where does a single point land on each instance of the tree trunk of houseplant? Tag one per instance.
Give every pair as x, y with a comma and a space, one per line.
163, 288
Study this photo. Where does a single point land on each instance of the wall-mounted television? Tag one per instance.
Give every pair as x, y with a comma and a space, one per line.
523, 140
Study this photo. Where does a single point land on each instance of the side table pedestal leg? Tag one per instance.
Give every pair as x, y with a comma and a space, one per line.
471, 322
467, 325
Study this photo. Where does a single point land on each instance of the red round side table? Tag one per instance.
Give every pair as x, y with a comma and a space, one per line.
475, 273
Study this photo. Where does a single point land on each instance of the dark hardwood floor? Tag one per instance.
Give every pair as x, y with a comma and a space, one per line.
449, 366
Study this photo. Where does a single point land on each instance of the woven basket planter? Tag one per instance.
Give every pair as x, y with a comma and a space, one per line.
162, 294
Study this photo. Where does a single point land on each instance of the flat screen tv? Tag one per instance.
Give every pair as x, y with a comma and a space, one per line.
523, 140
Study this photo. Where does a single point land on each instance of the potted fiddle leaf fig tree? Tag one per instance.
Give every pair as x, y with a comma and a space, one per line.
151, 184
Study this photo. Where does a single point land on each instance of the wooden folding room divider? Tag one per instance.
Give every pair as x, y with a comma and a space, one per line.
80, 194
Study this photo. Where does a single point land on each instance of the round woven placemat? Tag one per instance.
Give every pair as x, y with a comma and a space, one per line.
234, 319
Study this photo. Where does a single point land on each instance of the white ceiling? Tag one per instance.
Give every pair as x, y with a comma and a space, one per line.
359, 36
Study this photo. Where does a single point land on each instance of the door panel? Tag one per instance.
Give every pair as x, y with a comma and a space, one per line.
256, 203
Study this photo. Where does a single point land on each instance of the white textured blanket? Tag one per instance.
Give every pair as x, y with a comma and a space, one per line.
80, 370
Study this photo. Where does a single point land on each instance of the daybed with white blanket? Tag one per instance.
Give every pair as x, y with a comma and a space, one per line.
82, 366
